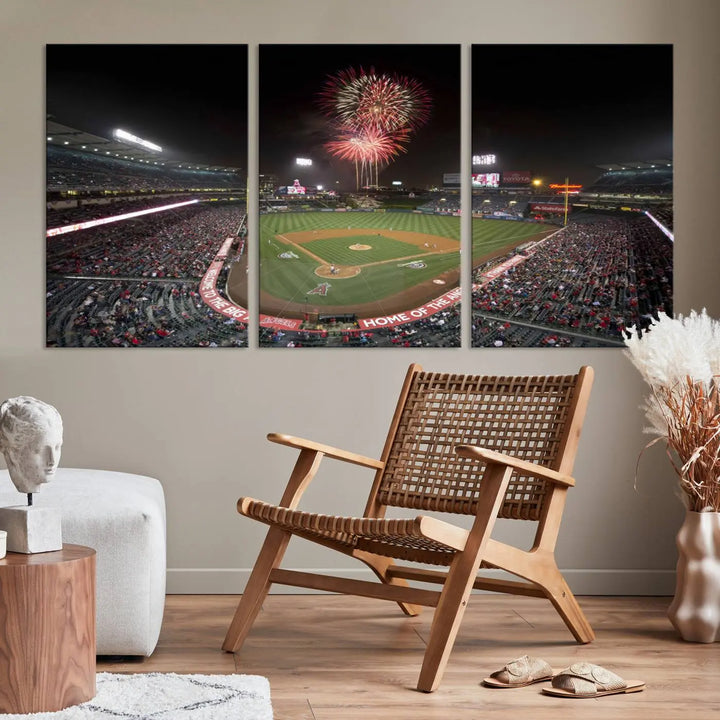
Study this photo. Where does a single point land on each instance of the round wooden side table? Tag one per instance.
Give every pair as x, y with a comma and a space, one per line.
47, 630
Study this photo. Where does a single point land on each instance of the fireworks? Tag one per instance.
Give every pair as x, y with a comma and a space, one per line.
368, 145
374, 116
359, 100
367, 149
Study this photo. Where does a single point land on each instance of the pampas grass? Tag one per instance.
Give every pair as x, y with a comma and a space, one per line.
679, 358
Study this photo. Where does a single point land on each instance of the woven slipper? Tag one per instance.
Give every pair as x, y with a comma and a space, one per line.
519, 673
585, 680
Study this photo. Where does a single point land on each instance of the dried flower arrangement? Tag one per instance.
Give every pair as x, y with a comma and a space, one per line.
679, 358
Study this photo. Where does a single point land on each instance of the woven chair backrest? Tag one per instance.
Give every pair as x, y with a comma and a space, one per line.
527, 417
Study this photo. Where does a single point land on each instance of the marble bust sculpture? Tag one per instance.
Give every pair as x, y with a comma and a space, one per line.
31, 434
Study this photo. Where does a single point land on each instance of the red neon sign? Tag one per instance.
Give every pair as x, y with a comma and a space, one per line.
113, 218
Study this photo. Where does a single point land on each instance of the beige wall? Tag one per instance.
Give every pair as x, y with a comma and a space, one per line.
196, 419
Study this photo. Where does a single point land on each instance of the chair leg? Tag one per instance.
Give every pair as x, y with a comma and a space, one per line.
257, 588
567, 606
446, 623
461, 577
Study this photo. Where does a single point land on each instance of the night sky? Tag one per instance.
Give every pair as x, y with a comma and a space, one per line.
189, 99
555, 110
560, 110
292, 123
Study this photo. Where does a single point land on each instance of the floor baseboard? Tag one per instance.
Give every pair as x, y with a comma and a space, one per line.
220, 581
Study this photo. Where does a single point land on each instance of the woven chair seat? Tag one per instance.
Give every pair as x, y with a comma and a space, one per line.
396, 538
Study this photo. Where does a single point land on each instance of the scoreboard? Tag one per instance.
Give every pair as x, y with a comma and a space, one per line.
486, 180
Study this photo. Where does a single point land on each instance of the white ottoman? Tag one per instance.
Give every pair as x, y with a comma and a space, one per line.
122, 517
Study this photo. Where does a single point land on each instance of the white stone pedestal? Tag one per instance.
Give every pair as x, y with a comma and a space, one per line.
31, 529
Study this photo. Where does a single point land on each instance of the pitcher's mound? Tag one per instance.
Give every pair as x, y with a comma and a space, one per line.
358, 246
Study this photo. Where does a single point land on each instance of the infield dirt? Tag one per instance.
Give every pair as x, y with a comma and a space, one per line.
435, 242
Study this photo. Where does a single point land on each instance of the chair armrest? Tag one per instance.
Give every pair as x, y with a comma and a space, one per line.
338, 454
526, 468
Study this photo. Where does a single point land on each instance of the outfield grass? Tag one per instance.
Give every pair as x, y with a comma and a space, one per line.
280, 223
291, 279
491, 235
337, 250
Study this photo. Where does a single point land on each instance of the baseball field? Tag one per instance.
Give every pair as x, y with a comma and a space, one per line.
367, 263
355, 262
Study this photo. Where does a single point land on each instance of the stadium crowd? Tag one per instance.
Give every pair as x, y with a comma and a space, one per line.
84, 171
447, 204
177, 243
486, 203
596, 277
122, 313
508, 204
135, 282
634, 181
439, 330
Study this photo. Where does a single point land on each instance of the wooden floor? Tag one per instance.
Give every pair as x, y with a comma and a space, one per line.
331, 657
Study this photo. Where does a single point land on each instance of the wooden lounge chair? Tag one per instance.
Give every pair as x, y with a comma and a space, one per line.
481, 446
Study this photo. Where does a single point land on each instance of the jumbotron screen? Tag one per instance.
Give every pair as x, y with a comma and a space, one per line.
295, 189
483, 180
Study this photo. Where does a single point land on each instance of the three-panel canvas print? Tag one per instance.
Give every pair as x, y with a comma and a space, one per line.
359, 209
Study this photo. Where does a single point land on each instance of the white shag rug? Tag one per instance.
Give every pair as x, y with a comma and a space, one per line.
167, 696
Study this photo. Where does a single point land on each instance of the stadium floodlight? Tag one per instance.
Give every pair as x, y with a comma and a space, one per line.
537, 182
483, 159
305, 162
67, 142
129, 137
319, 187
49, 139
397, 182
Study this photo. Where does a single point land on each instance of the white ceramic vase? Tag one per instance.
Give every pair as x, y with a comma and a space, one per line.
695, 609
